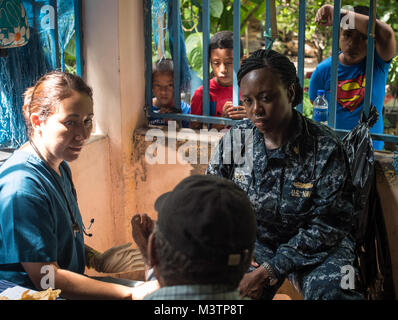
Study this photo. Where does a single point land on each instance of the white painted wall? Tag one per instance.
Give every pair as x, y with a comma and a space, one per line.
114, 67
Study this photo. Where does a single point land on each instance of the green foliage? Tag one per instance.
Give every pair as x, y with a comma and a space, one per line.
194, 49
221, 12
70, 56
393, 78
216, 8
307, 106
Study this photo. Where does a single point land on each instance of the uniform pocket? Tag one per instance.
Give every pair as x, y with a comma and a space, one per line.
297, 197
242, 178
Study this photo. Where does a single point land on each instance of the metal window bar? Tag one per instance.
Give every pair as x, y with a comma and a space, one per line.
176, 54
207, 118
54, 37
148, 55
236, 53
206, 56
334, 70
370, 57
301, 48
267, 22
78, 9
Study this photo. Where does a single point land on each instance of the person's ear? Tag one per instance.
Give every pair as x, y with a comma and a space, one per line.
35, 121
152, 256
291, 93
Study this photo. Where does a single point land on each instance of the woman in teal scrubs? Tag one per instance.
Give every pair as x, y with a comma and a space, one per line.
41, 229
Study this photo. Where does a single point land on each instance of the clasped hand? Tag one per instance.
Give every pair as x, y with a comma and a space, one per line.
252, 283
235, 113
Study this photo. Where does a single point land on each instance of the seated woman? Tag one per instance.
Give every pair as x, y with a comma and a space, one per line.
41, 228
297, 176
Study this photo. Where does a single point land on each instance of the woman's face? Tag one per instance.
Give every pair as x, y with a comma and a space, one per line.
65, 131
267, 101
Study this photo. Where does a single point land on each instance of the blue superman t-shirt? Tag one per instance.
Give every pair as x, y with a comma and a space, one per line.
351, 91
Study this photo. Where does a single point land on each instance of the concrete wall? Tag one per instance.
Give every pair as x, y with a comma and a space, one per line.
114, 68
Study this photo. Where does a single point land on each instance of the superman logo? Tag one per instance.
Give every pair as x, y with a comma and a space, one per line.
350, 93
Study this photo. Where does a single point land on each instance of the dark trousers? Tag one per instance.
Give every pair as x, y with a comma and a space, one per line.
324, 281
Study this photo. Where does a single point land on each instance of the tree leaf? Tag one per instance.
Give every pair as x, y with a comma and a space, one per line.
193, 41
216, 8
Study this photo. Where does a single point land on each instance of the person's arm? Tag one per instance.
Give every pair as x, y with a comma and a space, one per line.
385, 42
76, 286
331, 219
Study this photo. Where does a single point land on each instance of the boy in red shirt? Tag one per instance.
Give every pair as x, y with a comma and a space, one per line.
221, 90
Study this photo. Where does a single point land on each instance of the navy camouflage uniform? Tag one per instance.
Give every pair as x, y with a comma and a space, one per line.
303, 199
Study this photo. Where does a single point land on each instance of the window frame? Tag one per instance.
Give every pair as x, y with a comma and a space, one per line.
206, 118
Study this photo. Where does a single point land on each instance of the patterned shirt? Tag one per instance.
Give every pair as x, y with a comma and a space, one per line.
194, 292
302, 192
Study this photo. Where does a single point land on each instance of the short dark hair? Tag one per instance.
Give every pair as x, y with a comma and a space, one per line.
175, 267
163, 65
363, 10
223, 40
205, 232
280, 64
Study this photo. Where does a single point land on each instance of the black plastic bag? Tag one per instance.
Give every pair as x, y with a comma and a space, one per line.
372, 249
359, 147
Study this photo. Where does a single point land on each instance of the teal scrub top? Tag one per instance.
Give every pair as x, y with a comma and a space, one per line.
35, 224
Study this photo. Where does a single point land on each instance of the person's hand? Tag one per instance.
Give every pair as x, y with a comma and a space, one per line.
169, 110
139, 292
252, 283
324, 16
142, 227
118, 259
235, 113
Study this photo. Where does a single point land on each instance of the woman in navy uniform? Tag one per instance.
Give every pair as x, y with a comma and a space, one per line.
297, 176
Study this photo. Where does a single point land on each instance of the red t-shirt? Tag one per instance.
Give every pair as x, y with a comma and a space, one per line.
219, 95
